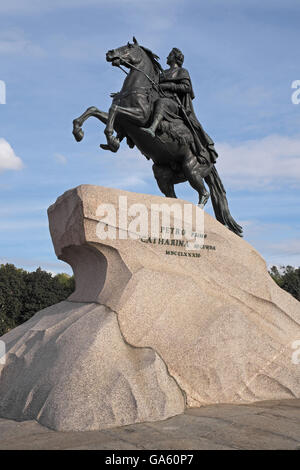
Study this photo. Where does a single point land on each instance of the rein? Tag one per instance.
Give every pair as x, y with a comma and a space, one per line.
154, 85
139, 90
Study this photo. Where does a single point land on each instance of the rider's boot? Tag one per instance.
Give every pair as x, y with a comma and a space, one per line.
151, 130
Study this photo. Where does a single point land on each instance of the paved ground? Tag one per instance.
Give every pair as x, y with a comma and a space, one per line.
263, 425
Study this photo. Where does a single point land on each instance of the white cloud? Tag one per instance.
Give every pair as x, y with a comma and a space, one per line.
277, 242
21, 225
8, 158
37, 6
15, 42
61, 158
83, 49
23, 206
284, 259
287, 247
123, 176
261, 162
127, 182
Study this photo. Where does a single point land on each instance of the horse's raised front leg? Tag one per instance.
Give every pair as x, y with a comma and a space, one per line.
77, 123
135, 113
113, 143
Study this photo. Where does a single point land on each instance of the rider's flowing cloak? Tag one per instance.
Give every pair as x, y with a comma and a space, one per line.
180, 76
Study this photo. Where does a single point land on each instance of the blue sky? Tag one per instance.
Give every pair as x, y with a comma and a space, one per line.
242, 57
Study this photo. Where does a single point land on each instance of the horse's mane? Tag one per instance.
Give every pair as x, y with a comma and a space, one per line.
154, 59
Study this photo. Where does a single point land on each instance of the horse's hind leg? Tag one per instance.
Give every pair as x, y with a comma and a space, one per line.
165, 179
77, 123
192, 170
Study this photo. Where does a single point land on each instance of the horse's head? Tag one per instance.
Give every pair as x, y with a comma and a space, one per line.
131, 54
134, 54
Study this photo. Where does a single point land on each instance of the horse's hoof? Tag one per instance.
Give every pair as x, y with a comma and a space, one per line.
203, 200
113, 145
105, 147
78, 134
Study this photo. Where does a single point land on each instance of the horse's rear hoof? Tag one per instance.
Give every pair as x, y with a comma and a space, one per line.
203, 200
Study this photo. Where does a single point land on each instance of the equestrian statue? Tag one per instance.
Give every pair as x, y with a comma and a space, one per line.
154, 112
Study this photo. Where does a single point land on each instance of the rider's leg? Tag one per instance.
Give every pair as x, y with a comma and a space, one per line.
192, 171
158, 116
161, 106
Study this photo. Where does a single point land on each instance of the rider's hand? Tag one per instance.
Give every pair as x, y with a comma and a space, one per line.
167, 86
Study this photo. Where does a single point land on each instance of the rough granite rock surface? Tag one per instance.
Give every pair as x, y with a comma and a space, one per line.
69, 368
210, 328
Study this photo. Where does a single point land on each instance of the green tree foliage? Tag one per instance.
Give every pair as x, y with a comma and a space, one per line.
41, 291
23, 293
288, 278
12, 286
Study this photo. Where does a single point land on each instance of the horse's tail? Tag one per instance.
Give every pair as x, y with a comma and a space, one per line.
220, 203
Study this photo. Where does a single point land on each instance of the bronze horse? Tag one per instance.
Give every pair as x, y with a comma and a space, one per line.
171, 150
